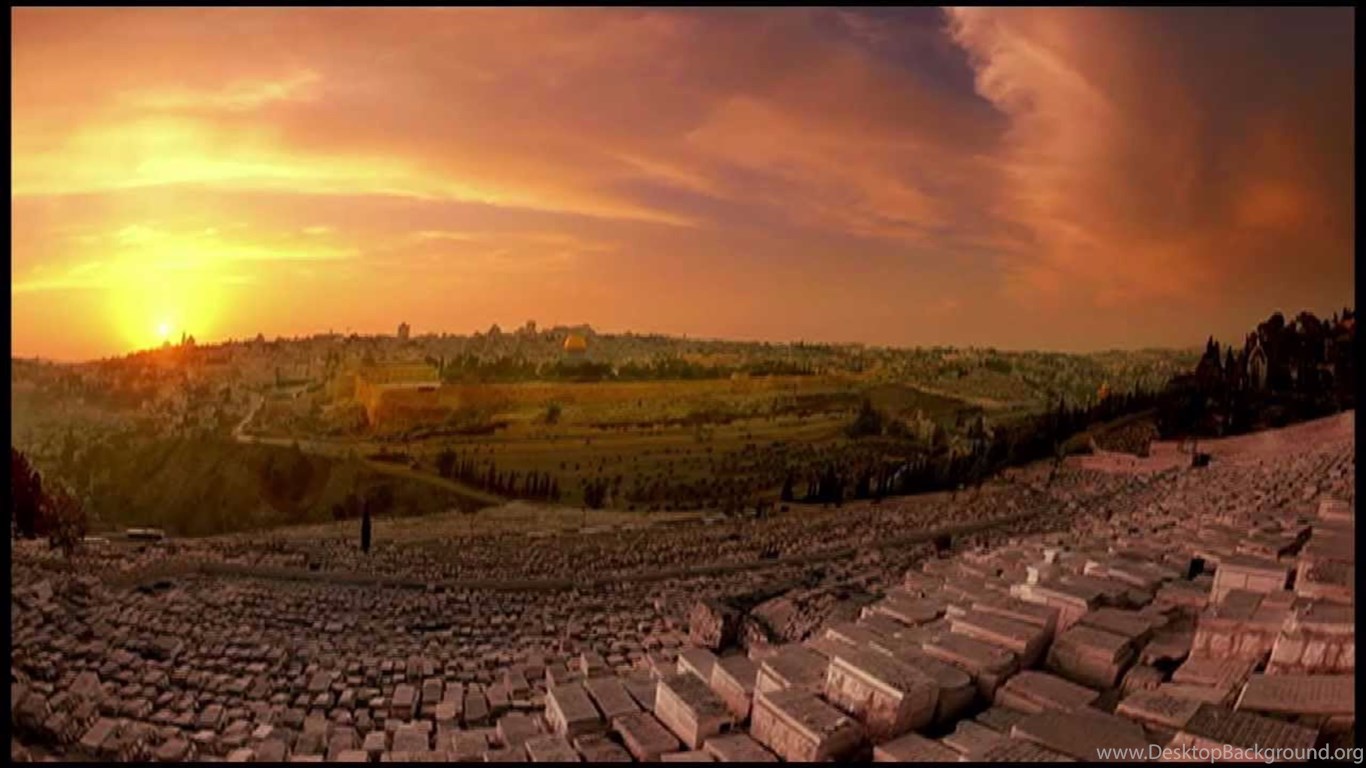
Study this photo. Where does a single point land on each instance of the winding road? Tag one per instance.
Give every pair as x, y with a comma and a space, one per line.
338, 450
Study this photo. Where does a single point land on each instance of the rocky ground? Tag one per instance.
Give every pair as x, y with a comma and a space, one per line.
1160, 601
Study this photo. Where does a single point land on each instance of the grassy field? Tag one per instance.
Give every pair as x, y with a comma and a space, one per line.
681, 443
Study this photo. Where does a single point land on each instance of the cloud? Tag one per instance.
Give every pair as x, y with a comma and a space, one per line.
138, 253
1142, 176
828, 172
239, 96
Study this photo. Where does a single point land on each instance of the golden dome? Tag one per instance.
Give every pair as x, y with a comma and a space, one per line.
575, 343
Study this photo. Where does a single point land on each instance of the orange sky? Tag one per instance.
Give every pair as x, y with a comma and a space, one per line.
1064, 178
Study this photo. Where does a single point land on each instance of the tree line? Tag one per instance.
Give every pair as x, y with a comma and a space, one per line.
1285, 372
937, 466
38, 511
484, 474
474, 368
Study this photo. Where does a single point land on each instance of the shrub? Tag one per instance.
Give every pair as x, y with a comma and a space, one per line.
66, 520
868, 422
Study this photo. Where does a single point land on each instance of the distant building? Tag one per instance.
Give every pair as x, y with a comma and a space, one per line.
1257, 364
575, 345
408, 392
403, 331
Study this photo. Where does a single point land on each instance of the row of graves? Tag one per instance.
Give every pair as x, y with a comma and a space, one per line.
1147, 627
1176, 634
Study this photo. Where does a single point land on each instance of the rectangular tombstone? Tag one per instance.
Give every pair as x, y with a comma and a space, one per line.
1026, 641
1033, 692
476, 708
851, 634
798, 727
883, 625
697, 661
1158, 709
1137, 626
826, 645
1071, 601
1112, 592
1167, 646
468, 746
1213, 727
550, 748
913, 748
431, 690
1217, 672
970, 736
1327, 580
792, 666
906, 609
733, 679
642, 690
1323, 695
890, 698
1081, 734
570, 712
1184, 594
957, 691
1318, 638
1000, 719
403, 705
1090, 656
738, 748
1015, 609
410, 740
591, 663
1336, 510
644, 736
1254, 574
1205, 694
686, 706
611, 697
597, 748
988, 665
515, 728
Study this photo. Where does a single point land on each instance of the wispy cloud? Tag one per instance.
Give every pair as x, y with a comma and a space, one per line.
830, 172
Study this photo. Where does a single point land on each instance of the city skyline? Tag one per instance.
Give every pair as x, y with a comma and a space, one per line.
1063, 179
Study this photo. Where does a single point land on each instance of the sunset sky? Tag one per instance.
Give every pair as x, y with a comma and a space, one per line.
1068, 179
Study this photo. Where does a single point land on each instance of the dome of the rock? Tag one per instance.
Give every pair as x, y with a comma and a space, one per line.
575, 344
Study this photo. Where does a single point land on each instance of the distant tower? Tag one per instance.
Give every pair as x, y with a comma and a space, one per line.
1257, 364
402, 331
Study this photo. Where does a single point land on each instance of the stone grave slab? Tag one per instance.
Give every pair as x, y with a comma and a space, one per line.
688, 707
913, 748
570, 711
644, 736
738, 748
798, 727
890, 698
733, 679
1033, 692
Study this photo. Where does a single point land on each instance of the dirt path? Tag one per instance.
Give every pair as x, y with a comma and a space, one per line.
333, 450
